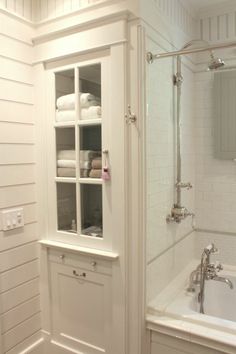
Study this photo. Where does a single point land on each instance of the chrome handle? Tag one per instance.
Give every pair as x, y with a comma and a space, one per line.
62, 256
81, 275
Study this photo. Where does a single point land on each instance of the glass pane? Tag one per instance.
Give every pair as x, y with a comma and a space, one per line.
65, 96
90, 92
66, 207
90, 151
65, 150
91, 210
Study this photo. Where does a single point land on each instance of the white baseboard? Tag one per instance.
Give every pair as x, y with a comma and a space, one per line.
36, 348
53, 347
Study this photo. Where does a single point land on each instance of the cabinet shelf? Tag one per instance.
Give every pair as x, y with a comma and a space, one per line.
90, 180
86, 122
64, 124
78, 249
65, 179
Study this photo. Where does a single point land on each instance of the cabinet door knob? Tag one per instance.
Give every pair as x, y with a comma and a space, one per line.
62, 256
81, 275
93, 264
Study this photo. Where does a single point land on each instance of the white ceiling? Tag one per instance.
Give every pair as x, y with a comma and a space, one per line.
198, 4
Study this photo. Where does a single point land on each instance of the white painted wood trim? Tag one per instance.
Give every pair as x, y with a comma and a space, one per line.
94, 49
79, 27
78, 249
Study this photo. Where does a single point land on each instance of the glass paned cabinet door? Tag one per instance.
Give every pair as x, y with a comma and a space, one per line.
90, 151
79, 152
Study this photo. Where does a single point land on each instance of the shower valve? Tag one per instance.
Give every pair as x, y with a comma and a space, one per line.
178, 213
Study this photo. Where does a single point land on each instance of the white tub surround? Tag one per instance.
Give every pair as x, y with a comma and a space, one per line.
176, 311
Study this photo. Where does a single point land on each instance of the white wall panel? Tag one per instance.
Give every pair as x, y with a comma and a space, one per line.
14, 277
20, 332
20, 313
17, 296
13, 49
16, 154
17, 174
16, 112
10, 69
18, 30
17, 256
17, 195
15, 91
13, 133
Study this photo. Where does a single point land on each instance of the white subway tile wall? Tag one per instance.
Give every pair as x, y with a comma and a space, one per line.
161, 172
215, 178
213, 198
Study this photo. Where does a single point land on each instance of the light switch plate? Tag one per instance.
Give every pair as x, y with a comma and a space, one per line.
12, 218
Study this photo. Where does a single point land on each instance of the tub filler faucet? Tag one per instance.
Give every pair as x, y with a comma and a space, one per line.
206, 271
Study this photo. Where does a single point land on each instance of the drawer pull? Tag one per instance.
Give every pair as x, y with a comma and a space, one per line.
81, 275
62, 256
93, 264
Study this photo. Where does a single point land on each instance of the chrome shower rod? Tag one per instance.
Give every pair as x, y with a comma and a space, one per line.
151, 57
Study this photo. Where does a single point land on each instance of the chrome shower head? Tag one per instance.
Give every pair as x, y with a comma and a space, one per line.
215, 63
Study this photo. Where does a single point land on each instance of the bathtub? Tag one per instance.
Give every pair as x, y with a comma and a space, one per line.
177, 308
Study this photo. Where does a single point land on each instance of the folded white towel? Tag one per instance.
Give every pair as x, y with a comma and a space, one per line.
65, 116
88, 155
65, 172
86, 165
66, 155
84, 173
66, 163
67, 102
87, 100
93, 112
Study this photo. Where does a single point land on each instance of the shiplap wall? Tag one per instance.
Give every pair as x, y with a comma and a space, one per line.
166, 244
19, 268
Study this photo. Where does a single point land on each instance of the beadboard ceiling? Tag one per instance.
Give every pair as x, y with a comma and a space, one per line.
198, 4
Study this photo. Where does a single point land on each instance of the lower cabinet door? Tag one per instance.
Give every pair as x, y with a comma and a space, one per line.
81, 309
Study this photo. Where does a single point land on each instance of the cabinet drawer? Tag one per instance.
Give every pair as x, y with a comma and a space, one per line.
90, 263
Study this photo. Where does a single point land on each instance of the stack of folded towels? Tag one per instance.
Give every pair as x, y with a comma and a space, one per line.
96, 171
66, 163
86, 162
90, 107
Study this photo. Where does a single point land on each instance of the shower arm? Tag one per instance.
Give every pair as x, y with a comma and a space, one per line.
151, 57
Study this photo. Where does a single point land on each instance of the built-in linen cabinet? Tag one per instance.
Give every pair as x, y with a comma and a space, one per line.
82, 162
81, 298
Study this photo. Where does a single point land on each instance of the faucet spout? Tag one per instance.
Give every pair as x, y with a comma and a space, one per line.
224, 280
